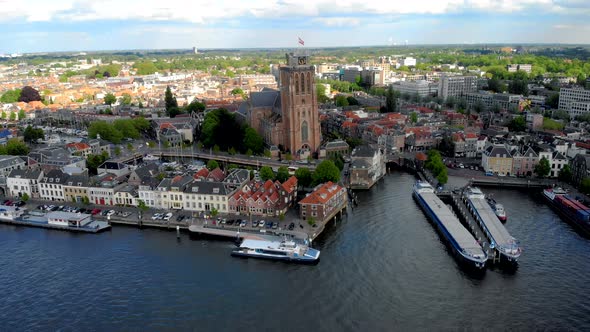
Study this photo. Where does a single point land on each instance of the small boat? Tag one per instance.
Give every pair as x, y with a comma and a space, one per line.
498, 209
286, 250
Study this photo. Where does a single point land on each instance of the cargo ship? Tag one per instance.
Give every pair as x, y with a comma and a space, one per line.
500, 240
464, 246
572, 211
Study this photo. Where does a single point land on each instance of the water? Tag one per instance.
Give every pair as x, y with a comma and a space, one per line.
383, 268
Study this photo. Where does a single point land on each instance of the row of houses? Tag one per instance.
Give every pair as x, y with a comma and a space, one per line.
520, 161
232, 193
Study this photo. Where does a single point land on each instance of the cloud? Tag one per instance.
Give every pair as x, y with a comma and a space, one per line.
337, 21
206, 11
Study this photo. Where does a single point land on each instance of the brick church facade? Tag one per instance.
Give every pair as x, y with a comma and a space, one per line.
288, 117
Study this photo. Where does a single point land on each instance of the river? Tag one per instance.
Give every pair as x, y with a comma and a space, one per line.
383, 267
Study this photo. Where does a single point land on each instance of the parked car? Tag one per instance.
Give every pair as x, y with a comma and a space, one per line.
95, 212
180, 217
156, 216
125, 214
243, 223
110, 213
291, 226
168, 216
254, 223
20, 203
261, 223
268, 224
275, 225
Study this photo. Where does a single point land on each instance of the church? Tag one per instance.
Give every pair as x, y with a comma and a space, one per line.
287, 118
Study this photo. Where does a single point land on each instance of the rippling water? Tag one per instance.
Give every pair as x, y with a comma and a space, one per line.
383, 268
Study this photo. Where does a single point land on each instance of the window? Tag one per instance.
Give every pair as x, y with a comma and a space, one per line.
304, 136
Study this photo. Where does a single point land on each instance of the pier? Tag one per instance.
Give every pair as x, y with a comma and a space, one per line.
509, 182
94, 227
244, 233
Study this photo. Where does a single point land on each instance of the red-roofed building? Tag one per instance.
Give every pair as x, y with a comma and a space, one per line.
201, 174
216, 175
264, 198
79, 149
323, 203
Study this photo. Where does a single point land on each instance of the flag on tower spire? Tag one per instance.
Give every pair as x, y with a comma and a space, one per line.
301, 41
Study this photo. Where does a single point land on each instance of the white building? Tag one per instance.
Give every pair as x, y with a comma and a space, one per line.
51, 185
575, 101
21, 182
408, 62
421, 87
8, 163
10, 212
61, 218
456, 86
204, 196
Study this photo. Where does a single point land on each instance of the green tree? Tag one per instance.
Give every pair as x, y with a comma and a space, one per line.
267, 153
326, 171
117, 151
214, 212
212, 164
110, 99
517, 124
126, 100
25, 197
519, 87
352, 101
141, 205
238, 92
413, 117
85, 200
253, 141
106, 131
95, 160
543, 168
171, 103
266, 173
565, 174
390, 100
21, 115
195, 106
585, 185
282, 174
320, 91
33, 134
12, 116
14, 147
494, 84
141, 124
442, 177
145, 67
3, 115
127, 128
11, 96
552, 101
341, 101
304, 176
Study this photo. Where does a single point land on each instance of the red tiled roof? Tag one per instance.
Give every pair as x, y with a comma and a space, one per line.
322, 194
290, 185
421, 156
202, 173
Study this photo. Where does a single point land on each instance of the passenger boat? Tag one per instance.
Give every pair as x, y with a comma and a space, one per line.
285, 250
498, 209
500, 240
464, 246
572, 211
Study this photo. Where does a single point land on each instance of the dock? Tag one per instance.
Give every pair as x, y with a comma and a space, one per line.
93, 227
510, 182
243, 233
469, 221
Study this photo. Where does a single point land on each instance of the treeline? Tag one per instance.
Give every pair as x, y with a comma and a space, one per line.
435, 165
118, 130
324, 172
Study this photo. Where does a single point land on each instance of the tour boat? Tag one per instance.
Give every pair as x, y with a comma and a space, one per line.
285, 250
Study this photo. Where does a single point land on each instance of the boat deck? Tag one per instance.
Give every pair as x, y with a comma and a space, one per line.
462, 237
496, 230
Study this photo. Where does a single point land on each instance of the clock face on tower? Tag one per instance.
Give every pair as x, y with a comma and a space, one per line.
302, 60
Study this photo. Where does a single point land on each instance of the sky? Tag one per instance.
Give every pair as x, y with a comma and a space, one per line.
28, 26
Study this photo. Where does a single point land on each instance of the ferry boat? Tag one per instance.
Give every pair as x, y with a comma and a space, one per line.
498, 209
286, 250
500, 240
569, 208
464, 246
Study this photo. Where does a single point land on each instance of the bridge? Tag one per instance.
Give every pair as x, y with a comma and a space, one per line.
222, 157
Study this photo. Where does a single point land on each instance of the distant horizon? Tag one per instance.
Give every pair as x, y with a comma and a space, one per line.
39, 26
515, 44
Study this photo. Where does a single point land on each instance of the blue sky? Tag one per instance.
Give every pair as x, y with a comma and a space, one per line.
77, 25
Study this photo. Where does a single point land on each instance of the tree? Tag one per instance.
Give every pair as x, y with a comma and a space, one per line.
214, 212
560, 115
352, 101
266, 173
126, 127
14, 147
326, 171
85, 200
450, 101
126, 100
543, 168
413, 117
21, 115
494, 84
11, 96
253, 141
585, 185
212, 164
117, 151
141, 205
110, 99
320, 90
390, 100
341, 101
141, 124
3, 115
517, 124
106, 131
565, 174
237, 91
195, 106
171, 103
519, 87
442, 177
282, 174
29, 94
95, 160
553, 100
25, 197
304, 176
12, 116
33, 134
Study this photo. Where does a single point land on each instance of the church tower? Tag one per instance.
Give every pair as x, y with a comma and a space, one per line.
301, 124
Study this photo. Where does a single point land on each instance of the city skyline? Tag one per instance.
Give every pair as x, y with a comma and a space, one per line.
70, 25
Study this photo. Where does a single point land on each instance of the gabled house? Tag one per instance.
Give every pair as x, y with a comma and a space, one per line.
21, 181
325, 200
524, 161
497, 159
113, 167
76, 188
205, 196
259, 198
557, 162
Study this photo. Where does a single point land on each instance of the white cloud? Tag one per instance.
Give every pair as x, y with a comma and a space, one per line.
204, 11
337, 21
